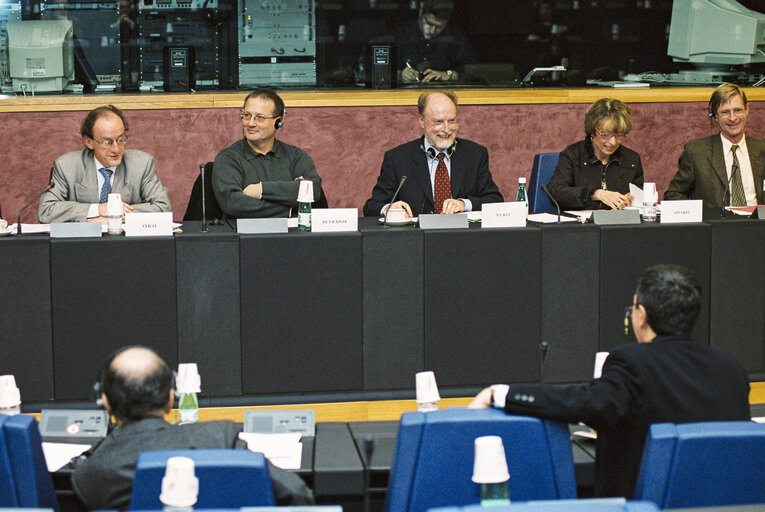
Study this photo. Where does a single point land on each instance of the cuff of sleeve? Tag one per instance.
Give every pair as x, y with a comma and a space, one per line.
93, 210
468, 204
499, 395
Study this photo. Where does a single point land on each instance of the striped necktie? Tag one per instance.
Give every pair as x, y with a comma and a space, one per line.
737, 197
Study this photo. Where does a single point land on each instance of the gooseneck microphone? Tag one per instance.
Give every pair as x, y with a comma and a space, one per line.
369, 448
18, 219
544, 347
544, 187
204, 201
393, 200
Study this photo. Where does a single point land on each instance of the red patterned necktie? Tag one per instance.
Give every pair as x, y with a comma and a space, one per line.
442, 185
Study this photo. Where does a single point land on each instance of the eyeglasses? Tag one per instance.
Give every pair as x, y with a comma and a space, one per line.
107, 143
260, 119
618, 136
627, 316
736, 112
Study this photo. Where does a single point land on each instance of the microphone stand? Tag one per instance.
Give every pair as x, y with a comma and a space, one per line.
18, 219
204, 217
393, 200
544, 347
544, 187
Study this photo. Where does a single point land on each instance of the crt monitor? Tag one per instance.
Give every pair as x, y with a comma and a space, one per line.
716, 33
40, 55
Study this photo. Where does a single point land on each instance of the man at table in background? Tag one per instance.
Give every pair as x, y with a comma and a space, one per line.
430, 49
456, 169
665, 377
137, 387
258, 176
727, 168
84, 178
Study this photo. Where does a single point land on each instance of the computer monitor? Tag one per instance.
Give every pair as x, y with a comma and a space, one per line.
716, 33
40, 54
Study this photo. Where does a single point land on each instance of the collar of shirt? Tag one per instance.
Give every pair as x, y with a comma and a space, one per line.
747, 177
100, 177
276, 150
728, 144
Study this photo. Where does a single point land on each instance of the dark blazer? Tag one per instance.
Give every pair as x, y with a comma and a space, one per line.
672, 379
701, 171
470, 178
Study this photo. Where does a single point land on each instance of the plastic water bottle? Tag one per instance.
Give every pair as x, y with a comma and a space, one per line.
649, 202
494, 495
188, 407
304, 216
189, 384
522, 195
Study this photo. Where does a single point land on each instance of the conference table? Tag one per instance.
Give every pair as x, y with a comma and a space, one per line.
299, 317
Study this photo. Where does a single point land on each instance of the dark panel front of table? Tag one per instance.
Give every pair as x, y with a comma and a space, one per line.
482, 300
26, 346
570, 307
393, 307
108, 293
301, 312
737, 308
627, 251
208, 306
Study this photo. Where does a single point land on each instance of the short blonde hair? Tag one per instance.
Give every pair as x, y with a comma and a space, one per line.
613, 113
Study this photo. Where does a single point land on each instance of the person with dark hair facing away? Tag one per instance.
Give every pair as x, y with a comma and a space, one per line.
596, 173
258, 176
728, 168
83, 179
665, 377
136, 387
430, 49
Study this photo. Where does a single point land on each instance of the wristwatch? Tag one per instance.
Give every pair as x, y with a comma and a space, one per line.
449, 73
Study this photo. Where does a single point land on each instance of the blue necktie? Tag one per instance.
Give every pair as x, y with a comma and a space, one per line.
107, 188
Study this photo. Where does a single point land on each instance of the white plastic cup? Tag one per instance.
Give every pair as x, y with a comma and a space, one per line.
10, 396
649, 192
180, 486
490, 464
188, 380
427, 391
305, 192
600, 359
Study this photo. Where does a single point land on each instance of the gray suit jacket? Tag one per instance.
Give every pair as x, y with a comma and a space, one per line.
702, 173
76, 186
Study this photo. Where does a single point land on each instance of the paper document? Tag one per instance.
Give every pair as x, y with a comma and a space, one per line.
283, 450
30, 228
550, 218
57, 455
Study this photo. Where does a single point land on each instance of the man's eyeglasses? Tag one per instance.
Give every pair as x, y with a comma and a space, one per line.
736, 112
607, 135
260, 119
107, 143
627, 317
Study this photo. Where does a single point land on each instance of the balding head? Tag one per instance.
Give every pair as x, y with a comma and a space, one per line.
137, 383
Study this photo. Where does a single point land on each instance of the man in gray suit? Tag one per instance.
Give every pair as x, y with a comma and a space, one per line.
84, 178
728, 168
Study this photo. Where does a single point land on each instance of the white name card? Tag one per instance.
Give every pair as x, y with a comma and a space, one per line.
503, 215
673, 212
334, 219
149, 224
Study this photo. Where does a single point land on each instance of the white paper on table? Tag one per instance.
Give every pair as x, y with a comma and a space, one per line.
549, 218
57, 455
30, 228
284, 450
637, 194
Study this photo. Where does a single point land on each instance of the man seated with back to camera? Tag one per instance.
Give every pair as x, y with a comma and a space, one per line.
258, 176
137, 387
665, 377
444, 174
83, 179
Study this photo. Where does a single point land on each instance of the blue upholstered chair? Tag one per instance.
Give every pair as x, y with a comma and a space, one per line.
433, 462
34, 485
594, 505
541, 172
227, 479
703, 464
7, 485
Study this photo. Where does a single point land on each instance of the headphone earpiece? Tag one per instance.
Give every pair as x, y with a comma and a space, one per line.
278, 124
710, 111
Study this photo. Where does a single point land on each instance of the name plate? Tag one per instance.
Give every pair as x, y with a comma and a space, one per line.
673, 212
759, 213
504, 215
334, 219
441, 221
605, 217
259, 226
149, 224
75, 230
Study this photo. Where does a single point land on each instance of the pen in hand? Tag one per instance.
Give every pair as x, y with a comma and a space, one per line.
410, 67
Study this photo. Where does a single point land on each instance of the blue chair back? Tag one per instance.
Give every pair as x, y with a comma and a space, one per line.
227, 479
703, 464
541, 172
7, 485
34, 485
433, 462
586, 505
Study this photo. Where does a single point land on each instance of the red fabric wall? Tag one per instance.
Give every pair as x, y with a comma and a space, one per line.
347, 143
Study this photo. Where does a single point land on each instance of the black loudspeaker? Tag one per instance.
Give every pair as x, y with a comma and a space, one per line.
178, 68
381, 66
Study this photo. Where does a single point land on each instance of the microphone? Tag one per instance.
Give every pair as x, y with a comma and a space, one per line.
544, 187
393, 200
544, 347
204, 213
723, 213
369, 448
18, 219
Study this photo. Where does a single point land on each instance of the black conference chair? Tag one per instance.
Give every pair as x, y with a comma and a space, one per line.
194, 209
